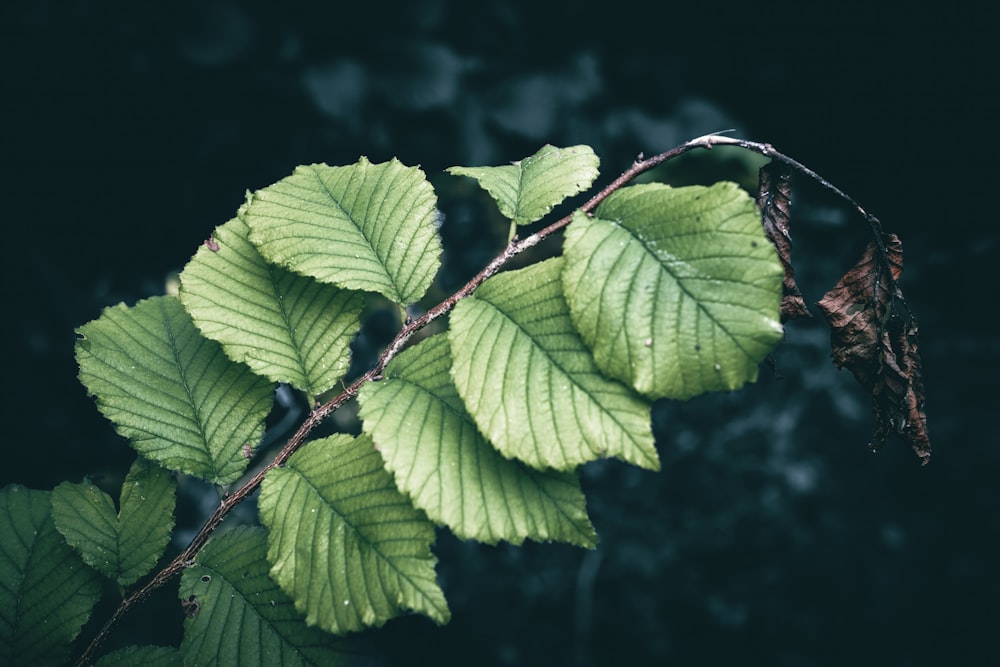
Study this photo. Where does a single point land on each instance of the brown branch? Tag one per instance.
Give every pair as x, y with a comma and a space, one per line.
410, 328
767, 150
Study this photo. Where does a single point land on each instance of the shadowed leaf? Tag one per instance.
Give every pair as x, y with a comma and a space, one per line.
143, 656
775, 201
875, 337
46, 590
236, 615
123, 546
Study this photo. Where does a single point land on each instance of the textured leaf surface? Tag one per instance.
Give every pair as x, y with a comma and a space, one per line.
527, 190
676, 290
237, 615
123, 546
432, 446
775, 200
365, 226
171, 391
286, 327
344, 542
531, 384
873, 333
46, 591
143, 656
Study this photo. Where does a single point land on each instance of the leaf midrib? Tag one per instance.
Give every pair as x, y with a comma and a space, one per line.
182, 371
350, 217
570, 377
653, 253
360, 536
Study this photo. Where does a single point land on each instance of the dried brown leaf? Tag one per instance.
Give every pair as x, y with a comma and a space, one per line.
775, 201
874, 336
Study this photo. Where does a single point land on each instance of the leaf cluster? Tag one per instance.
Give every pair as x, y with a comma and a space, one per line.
481, 428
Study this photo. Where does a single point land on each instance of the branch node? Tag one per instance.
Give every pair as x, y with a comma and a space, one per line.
709, 140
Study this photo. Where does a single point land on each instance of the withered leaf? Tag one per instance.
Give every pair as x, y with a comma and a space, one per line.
775, 201
874, 335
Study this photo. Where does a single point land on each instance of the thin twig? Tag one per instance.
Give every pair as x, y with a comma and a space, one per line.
884, 270
767, 150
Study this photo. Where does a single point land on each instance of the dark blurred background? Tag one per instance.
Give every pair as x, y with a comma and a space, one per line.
772, 536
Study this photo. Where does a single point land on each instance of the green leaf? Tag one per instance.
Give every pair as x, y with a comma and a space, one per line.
530, 382
126, 546
286, 327
237, 615
365, 226
143, 656
528, 189
171, 391
676, 290
431, 445
344, 542
46, 591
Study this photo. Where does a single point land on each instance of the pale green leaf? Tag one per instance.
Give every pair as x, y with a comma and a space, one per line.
528, 189
237, 615
676, 290
85, 516
126, 545
531, 384
146, 517
432, 446
171, 391
143, 656
365, 226
286, 327
46, 590
344, 542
